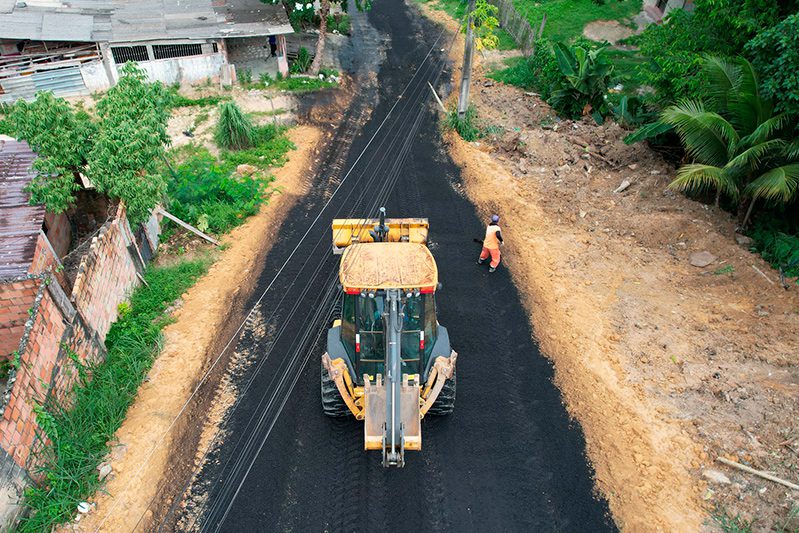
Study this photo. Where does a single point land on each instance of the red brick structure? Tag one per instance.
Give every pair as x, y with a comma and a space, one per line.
44, 320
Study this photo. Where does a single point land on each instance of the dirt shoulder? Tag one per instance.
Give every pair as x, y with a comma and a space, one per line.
665, 365
143, 459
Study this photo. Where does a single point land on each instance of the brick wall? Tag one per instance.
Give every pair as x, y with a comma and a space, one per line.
61, 323
107, 275
59, 232
16, 298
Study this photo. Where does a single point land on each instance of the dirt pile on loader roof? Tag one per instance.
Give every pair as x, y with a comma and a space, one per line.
388, 265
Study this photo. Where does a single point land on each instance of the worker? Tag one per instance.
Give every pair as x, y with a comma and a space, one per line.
272, 46
491, 243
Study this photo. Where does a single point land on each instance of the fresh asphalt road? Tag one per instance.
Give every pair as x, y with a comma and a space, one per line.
508, 459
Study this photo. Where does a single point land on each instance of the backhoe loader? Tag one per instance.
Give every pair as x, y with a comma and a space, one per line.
388, 360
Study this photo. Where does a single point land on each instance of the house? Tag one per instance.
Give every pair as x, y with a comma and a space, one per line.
75, 47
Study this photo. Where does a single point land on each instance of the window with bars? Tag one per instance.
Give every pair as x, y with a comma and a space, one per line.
165, 51
123, 54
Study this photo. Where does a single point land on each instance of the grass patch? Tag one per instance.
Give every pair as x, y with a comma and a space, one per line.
518, 72
78, 434
567, 18
206, 192
178, 100
467, 126
297, 84
506, 41
454, 8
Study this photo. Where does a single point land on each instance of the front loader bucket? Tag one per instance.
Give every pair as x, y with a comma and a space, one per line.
347, 231
374, 428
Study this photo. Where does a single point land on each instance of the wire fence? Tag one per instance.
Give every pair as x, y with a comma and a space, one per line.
517, 25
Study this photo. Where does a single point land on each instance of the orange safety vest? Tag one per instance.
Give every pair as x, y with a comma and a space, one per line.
491, 242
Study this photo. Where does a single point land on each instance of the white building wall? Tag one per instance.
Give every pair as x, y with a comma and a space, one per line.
95, 76
184, 69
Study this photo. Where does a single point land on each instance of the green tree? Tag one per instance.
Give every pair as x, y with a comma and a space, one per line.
775, 54
485, 23
740, 147
130, 141
61, 136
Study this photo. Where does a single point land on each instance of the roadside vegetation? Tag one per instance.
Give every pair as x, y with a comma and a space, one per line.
79, 434
736, 124
121, 146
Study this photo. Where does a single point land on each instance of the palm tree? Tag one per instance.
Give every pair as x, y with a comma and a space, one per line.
739, 146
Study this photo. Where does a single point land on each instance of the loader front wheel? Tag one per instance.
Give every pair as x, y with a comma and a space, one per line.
445, 403
332, 402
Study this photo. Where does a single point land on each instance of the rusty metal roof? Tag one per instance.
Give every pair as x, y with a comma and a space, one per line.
19, 222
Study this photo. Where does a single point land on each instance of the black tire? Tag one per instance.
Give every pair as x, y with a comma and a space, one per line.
332, 402
445, 403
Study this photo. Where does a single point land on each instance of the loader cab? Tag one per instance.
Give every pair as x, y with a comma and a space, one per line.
363, 331
367, 272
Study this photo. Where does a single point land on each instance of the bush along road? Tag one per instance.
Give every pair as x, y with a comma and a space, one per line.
508, 459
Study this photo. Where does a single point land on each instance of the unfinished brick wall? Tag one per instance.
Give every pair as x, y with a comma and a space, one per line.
16, 297
106, 275
65, 323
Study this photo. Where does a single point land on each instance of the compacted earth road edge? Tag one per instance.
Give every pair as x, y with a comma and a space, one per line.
152, 456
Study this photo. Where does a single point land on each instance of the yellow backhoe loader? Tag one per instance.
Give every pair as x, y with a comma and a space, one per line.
388, 361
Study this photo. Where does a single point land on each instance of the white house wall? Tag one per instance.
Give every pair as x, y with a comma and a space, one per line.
184, 69
94, 76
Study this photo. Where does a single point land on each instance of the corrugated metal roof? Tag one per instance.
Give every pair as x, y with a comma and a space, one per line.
142, 20
19, 222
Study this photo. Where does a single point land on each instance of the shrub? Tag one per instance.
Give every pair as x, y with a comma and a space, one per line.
776, 245
203, 192
467, 126
775, 55
302, 63
234, 130
584, 84
339, 22
539, 72
244, 76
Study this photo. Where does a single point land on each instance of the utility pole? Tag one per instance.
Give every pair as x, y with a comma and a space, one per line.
466, 74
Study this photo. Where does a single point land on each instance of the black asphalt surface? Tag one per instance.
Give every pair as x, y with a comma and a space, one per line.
508, 459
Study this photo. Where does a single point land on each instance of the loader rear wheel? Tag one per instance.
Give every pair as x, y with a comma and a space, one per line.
445, 403
332, 402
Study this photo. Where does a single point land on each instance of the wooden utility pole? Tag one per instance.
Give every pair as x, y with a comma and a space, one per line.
468, 51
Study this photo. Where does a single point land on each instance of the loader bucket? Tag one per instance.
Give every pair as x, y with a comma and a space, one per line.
374, 428
348, 231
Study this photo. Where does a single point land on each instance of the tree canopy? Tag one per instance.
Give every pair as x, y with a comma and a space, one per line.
117, 148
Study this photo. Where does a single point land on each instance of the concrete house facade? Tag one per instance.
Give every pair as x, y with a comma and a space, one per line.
76, 47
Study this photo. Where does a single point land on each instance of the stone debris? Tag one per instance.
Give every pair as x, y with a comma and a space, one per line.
702, 259
623, 186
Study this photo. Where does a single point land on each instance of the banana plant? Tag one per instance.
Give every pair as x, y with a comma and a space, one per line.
586, 73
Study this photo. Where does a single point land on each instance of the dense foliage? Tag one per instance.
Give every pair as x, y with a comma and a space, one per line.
77, 434
206, 194
61, 135
739, 145
130, 141
775, 55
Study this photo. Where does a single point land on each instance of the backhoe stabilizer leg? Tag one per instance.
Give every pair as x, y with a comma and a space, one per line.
443, 369
337, 369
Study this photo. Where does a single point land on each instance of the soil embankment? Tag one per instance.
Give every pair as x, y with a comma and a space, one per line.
665, 365
148, 448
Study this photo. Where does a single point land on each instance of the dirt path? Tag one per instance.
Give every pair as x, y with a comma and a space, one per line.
665, 365
139, 468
